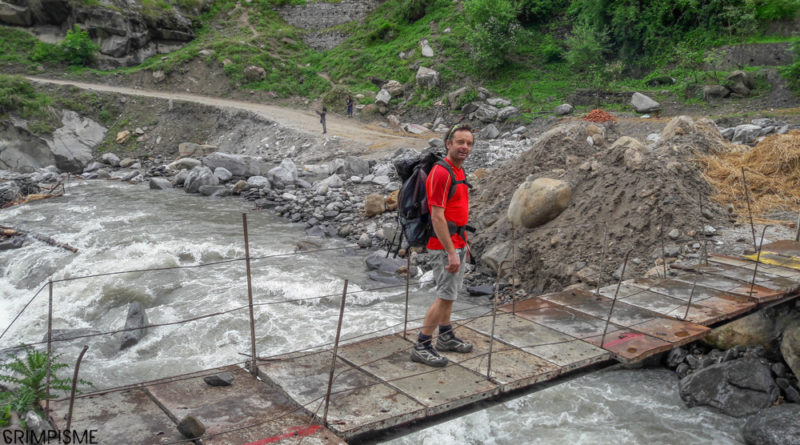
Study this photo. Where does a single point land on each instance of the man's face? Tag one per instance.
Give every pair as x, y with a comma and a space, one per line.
459, 147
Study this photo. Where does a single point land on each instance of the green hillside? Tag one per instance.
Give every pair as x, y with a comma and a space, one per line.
535, 52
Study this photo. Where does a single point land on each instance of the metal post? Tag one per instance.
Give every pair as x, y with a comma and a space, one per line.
494, 319
691, 294
749, 211
253, 365
49, 347
614, 301
335, 352
408, 278
515, 273
797, 234
74, 385
605, 260
702, 232
758, 259
663, 252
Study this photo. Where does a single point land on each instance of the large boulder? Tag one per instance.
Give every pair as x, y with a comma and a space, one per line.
160, 184
383, 97
778, 425
756, 329
427, 78
199, 176
284, 174
484, 112
237, 165
135, 325
72, 144
563, 109
351, 166
507, 113
644, 104
715, 91
15, 15
745, 134
737, 388
537, 202
394, 88
790, 348
22, 151
738, 76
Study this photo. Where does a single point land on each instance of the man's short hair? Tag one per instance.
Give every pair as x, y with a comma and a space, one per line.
457, 127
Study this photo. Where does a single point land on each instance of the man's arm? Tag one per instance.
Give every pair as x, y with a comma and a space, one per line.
443, 234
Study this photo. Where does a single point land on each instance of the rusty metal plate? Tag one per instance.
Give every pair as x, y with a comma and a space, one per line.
359, 401
438, 389
756, 293
130, 414
750, 264
676, 332
662, 304
546, 343
561, 318
246, 411
766, 280
599, 306
631, 346
786, 248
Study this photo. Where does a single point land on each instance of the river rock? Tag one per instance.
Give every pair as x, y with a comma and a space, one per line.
35, 425
223, 174
187, 163
644, 104
507, 113
489, 132
72, 144
493, 256
180, 178
221, 379
283, 175
350, 166
737, 388
191, 427
454, 97
331, 182
259, 182
69, 334
378, 261
214, 190
675, 357
426, 49
790, 348
484, 112
127, 163
199, 176
535, 203
187, 149
14, 242
110, 159
237, 165
374, 204
777, 425
385, 277
383, 97
160, 184
563, 109
137, 321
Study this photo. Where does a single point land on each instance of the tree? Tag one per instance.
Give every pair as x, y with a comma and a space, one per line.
587, 47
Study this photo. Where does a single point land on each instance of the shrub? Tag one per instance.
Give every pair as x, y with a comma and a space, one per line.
414, 10
792, 72
539, 11
79, 47
586, 47
17, 94
494, 31
770, 10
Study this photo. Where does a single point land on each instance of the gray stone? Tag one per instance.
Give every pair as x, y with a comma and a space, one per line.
790, 348
127, 163
383, 97
746, 134
255, 73
427, 51
223, 174
737, 388
507, 113
676, 356
484, 112
199, 176
378, 261
489, 132
259, 182
12, 243
160, 184
187, 163
214, 190
519, 130
110, 159
332, 181
715, 91
427, 78
777, 425
35, 425
498, 102
237, 165
644, 104
72, 144
454, 97
221, 379
191, 427
137, 323
186, 149
351, 166
364, 241
563, 109
728, 133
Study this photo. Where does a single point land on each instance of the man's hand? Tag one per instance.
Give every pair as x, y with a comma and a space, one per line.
453, 262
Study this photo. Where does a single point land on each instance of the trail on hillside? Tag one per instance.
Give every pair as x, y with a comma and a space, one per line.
377, 139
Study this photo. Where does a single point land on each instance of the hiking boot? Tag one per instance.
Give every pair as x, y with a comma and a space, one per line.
427, 356
449, 342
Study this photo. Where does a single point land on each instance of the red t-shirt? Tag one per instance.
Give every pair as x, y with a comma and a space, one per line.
456, 209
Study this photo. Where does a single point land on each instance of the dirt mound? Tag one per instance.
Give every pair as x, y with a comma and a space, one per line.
628, 194
772, 170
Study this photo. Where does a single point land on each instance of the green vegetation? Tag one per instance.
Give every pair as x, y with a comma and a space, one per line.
79, 49
28, 375
18, 95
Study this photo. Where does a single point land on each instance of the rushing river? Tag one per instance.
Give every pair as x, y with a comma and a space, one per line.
119, 227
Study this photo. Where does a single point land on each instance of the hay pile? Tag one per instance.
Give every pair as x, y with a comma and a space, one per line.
772, 170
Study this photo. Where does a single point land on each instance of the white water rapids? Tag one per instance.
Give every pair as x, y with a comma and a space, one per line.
119, 227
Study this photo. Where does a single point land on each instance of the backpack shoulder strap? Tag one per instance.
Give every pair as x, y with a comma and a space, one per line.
453, 182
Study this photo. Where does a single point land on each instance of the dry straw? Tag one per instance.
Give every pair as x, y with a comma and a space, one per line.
773, 176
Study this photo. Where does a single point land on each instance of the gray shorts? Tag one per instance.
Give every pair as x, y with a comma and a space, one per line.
448, 284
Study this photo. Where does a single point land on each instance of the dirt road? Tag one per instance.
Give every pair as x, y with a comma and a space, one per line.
377, 139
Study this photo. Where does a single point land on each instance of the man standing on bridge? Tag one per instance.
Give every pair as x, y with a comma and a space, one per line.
449, 215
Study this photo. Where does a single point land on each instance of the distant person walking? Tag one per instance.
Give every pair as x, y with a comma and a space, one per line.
322, 118
349, 103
